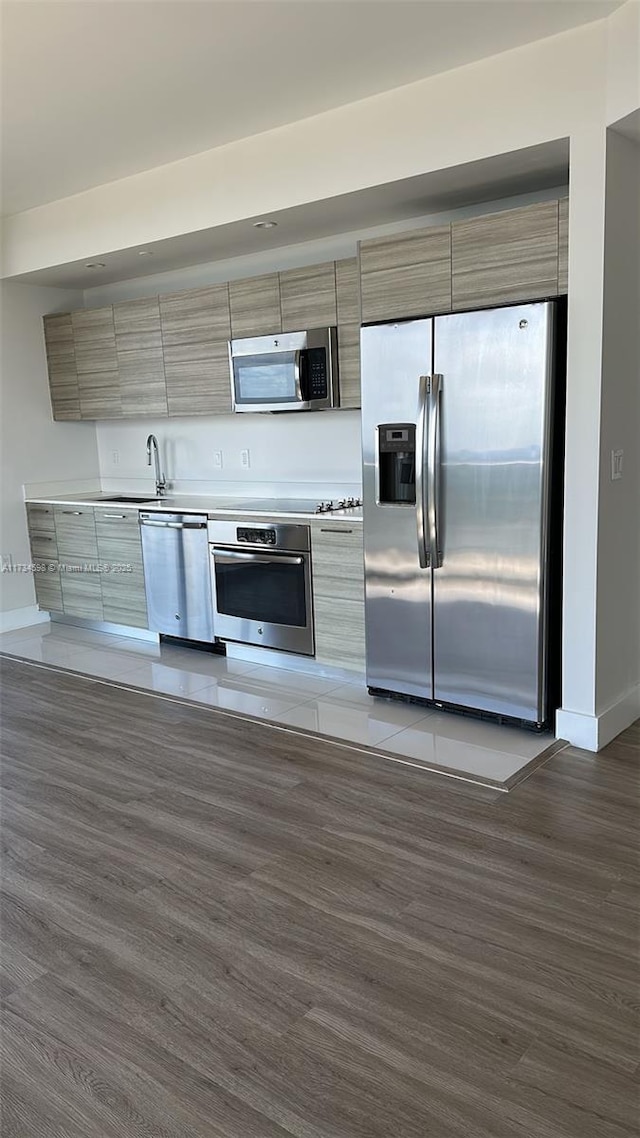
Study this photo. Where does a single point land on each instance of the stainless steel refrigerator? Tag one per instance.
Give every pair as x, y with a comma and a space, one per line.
457, 429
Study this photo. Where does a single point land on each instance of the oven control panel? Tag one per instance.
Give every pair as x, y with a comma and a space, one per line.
256, 536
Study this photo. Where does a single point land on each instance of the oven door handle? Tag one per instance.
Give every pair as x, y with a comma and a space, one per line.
227, 556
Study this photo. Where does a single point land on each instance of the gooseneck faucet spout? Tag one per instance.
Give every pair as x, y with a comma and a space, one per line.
152, 445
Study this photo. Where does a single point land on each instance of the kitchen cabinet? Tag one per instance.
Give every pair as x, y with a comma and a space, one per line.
44, 555
348, 315
308, 297
408, 274
255, 306
61, 364
338, 594
120, 556
94, 341
196, 327
140, 358
78, 555
505, 257
563, 245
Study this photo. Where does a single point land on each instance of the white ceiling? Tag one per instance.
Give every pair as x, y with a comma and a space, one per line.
394, 204
95, 90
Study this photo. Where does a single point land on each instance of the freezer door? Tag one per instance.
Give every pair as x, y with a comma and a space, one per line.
492, 505
397, 586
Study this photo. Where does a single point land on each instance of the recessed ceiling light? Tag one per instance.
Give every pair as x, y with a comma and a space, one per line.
265, 224
95, 265
145, 252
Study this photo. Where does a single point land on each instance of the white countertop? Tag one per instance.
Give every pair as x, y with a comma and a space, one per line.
209, 505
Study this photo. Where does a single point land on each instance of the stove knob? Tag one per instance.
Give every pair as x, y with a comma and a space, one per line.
342, 504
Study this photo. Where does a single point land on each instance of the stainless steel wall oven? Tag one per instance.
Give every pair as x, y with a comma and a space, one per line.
261, 584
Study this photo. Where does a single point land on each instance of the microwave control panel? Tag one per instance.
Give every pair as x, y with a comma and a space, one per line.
317, 373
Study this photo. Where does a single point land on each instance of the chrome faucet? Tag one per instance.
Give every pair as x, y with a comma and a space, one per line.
161, 485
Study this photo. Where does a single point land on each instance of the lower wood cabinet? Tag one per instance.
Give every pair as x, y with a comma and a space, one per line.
338, 594
78, 558
122, 577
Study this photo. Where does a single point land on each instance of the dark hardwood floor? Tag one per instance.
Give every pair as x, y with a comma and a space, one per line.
213, 929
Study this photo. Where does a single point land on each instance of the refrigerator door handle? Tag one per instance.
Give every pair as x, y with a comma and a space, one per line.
424, 386
433, 472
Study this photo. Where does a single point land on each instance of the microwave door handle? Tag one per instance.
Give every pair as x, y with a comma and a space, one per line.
302, 392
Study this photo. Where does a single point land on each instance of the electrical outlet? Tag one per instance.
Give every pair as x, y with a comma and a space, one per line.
115, 457
245, 459
217, 459
616, 464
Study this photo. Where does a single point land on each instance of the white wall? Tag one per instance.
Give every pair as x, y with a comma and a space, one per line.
618, 623
33, 447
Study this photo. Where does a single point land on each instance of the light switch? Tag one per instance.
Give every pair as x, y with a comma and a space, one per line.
616, 464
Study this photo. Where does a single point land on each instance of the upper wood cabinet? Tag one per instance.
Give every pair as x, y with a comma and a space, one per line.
503, 257
348, 313
61, 364
255, 306
96, 362
308, 297
196, 327
563, 245
140, 357
408, 274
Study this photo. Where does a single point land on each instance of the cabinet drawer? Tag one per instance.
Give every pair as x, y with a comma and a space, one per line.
76, 533
47, 584
40, 518
339, 632
113, 523
43, 545
337, 563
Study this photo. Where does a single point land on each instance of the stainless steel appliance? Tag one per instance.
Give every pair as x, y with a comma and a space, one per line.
291, 371
261, 584
457, 432
293, 506
176, 574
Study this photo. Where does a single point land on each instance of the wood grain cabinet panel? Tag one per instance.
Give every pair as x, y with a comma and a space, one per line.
42, 532
196, 328
563, 245
506, 257
348, 313
308, 297
47, 584
78, 558
140, 357
408, 274
61, 364
97, 362
255, 306
122, 576
338, 595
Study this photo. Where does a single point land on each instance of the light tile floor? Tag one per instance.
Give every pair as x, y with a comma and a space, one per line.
341, 709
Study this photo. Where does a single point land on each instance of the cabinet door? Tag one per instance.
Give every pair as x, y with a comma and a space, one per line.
563, 245
140, 357
408, 274
61, 364
78, 558
120, 554
196, 328
48, 587
338, 595
97, 362
348, 313
505, 257
255, 306
308, 297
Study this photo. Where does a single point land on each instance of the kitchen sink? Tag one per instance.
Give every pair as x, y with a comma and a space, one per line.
132, 499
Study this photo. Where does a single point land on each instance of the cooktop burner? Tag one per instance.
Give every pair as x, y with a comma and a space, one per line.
298, 505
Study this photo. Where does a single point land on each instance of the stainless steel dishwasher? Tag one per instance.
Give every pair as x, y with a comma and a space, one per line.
176, 574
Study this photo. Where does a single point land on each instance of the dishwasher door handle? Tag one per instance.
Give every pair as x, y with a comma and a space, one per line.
226, 556
174, 525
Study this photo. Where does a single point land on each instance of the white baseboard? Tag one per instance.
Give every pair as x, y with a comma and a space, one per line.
593, 732
22, 618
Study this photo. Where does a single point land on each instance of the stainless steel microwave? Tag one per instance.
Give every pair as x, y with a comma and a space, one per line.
289, 371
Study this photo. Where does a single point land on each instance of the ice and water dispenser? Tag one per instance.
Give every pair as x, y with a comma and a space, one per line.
397, 464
